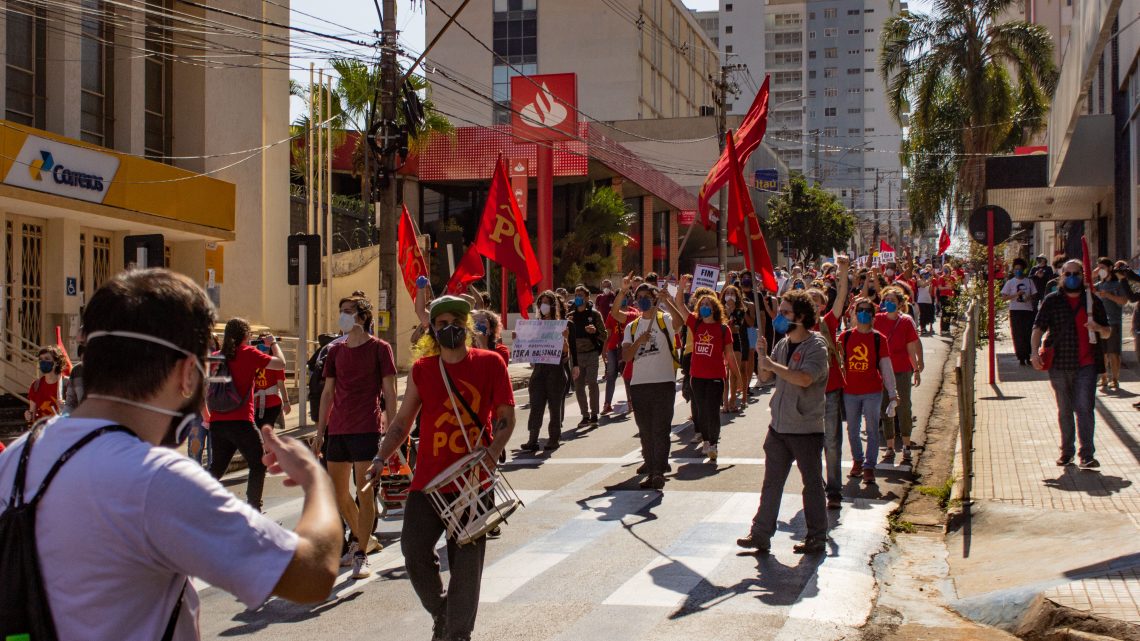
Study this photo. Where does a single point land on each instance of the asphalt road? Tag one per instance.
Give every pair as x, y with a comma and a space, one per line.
592, 556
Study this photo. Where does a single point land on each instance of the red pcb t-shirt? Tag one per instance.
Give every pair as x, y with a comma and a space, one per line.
358, 372
1084, 347
900, 333
263, 380
834, 376
709, 340
482, 380
863, 374
45, 396
243, 367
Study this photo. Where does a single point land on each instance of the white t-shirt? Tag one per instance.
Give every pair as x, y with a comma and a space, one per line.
125, 523
653, 362
1025, 289
923, 293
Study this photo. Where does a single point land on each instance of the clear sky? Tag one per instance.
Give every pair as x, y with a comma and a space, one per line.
357, 20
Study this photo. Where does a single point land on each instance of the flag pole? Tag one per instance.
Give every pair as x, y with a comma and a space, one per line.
685, 239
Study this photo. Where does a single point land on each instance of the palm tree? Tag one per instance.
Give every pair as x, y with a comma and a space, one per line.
973, 87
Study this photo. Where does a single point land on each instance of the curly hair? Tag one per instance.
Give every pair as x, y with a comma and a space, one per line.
557, 305
731, 289
898, 292
718, 313
363, 309
56, 355
802, 306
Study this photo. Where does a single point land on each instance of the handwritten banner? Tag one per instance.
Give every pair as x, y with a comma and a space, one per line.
705, 276
538, 341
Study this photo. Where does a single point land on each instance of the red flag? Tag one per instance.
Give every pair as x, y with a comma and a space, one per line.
747, 139
502, 237
884, 247
66, 359
1086, 260
943, 242
743, 224
469, 270
412, 262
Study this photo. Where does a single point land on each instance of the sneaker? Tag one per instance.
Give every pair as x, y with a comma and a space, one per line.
1064, 461
374, 545
763, 547
551, 445
856, 470
346, 560
653, 482
888, 458
906, 459
834, 502
1089, 464
608, 409
811, 546
704, 448
697, 439
868, 475
361, 566
711, 453
585, 421
593, 420
529, 446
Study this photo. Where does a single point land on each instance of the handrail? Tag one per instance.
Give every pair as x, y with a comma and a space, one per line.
964, 375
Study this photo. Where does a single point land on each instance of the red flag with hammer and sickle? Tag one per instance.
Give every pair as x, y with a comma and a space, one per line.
469, 270
743, 226
412, 262
502, 237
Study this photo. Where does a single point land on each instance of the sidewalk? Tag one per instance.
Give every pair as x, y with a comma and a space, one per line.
1037, 531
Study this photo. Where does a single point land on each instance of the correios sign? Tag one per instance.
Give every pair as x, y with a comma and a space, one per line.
62, 169
545, 107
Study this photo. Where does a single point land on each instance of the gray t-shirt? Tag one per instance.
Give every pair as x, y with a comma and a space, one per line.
1111, 308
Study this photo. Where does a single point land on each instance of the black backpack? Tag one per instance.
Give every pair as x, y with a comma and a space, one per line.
24, 607
223, 396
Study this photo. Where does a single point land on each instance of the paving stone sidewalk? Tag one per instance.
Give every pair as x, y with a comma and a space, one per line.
1016, 445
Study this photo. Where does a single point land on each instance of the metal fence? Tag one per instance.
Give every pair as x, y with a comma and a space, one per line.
964, 371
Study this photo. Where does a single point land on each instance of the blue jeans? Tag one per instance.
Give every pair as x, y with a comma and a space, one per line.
613, 370
863, 408
833, 443
1075, 390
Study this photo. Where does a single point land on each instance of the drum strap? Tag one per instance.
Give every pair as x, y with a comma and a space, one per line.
450, 384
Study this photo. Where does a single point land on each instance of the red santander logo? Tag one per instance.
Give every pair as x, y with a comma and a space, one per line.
545, 107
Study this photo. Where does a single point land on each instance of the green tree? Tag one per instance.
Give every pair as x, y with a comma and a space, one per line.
581, 255
812, 219
973, 86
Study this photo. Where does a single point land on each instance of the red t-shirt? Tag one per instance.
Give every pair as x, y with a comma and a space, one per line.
834, 377
709, 340
900, 333
263, 380
1084, 347
358, 373
613, 341
243, 367
45, 396
482, 380
505, 352
863, 375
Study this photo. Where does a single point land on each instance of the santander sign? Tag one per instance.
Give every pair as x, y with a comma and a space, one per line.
545, 107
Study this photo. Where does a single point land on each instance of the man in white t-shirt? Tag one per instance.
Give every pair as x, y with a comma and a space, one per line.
128, 519
648, 344
1021, 293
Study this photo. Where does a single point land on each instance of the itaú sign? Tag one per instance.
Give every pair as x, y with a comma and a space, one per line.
65, 170
544, 107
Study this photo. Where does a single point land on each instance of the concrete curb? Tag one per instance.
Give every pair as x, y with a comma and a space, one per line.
1045, 620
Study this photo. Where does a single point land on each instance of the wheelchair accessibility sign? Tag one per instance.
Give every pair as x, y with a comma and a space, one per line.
72, 286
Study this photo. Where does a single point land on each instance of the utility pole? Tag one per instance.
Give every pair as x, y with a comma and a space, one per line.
387, 219
815, 157
876, 244
721, 88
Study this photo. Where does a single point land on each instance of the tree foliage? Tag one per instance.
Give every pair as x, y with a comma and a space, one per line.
581, 255
972, 86
812, 219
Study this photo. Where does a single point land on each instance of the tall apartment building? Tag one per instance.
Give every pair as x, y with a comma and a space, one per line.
710, 22
829, 118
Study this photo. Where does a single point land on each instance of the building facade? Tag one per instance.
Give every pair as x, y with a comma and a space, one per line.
117, 119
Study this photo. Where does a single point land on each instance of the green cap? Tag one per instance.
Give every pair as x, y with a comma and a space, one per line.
449, 304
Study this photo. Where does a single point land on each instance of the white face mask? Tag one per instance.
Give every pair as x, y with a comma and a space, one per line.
346, 322
730, 299
1103, 274
544, 309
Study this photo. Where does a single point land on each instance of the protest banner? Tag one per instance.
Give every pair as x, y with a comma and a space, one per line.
705, 276
538, 341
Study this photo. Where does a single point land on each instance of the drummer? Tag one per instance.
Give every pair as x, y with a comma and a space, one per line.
480, 377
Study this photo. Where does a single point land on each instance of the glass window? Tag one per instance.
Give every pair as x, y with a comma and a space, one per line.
96, 74
158, 121
25, 42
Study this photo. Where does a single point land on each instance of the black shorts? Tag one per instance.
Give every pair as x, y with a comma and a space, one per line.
269, 417
1113, 344
352, 448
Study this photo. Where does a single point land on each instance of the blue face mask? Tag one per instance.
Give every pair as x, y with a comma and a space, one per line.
46, 367
481, 328
644, 304
705, 312
261, 347
578, 302
1073, 282
889, 306
781, 324
864, 317
798, 286
1018, 273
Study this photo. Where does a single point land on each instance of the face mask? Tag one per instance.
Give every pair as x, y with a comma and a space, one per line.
263, 348
1103, 273
890, 272
1073, 282
607, 290
705, 312
544, 309
182, 419
46, 367
578, 302
644, 303
781, 324
481, 328
451, 337
1017, 273
864, 317
730, 299
798, 286
890, 306
346, 322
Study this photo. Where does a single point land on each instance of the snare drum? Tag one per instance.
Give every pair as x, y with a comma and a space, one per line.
470, 498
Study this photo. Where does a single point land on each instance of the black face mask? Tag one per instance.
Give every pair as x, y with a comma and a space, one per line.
191, 411
451, 337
